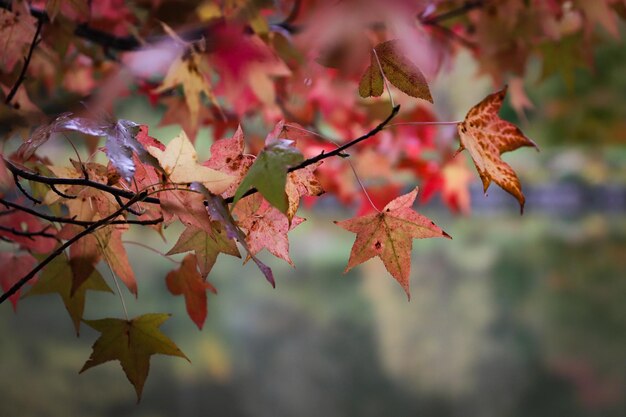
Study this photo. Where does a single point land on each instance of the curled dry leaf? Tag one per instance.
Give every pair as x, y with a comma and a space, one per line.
486, 137
389, 235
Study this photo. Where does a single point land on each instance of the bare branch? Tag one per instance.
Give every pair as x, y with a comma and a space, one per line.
22, 75
15, 170
69, 220
30, 235
104, 222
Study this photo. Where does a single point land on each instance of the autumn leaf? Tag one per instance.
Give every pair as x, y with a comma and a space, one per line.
188, 282
205, 245
486, 137
227, 156
372, 83
57, 278
14, 268
179, 160
389, 235
190, 72
266, 226
301, 183
268, 173
114, 253
16, 33
132, 342
397, 68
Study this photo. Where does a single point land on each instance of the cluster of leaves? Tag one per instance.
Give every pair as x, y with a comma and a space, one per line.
297, 68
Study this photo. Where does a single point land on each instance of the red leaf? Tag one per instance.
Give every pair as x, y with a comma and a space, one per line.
187, 281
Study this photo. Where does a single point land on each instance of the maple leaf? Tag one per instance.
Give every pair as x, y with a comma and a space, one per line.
57, 278
301, 183
227, 156
15, 267
267, 227
205, 245
190, 72
131, 342
486, 137
188, 282
389, 235
16, 33
179, 160
268, 173
399, 70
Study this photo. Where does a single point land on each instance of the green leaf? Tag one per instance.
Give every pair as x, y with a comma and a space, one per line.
400, 72
268, 174
57, 278
131, 342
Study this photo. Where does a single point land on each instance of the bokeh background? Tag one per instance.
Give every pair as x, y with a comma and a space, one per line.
515, 317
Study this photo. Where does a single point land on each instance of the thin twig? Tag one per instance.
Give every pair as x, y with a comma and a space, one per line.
74, 181
103, 222
22, 75
459, 11
68, 220
16, 180
30, 235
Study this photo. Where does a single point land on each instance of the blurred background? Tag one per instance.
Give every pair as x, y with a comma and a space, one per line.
518, 316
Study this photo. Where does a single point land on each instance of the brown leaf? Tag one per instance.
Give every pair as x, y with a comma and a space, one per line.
486, 137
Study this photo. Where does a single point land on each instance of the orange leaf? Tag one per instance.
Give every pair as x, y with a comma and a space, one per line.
187, 281
389, 235
486, 137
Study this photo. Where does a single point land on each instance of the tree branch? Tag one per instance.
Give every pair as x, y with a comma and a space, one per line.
22, 75
105, 221
30, 235
459, 11
74, 181
68, 220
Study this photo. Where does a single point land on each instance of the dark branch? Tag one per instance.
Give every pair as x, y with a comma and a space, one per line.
459, 11
30, 235
22, 75
75, 181
104, 222
16, 180
68, 220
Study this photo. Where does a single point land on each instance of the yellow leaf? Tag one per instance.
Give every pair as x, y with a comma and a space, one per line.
179, 160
